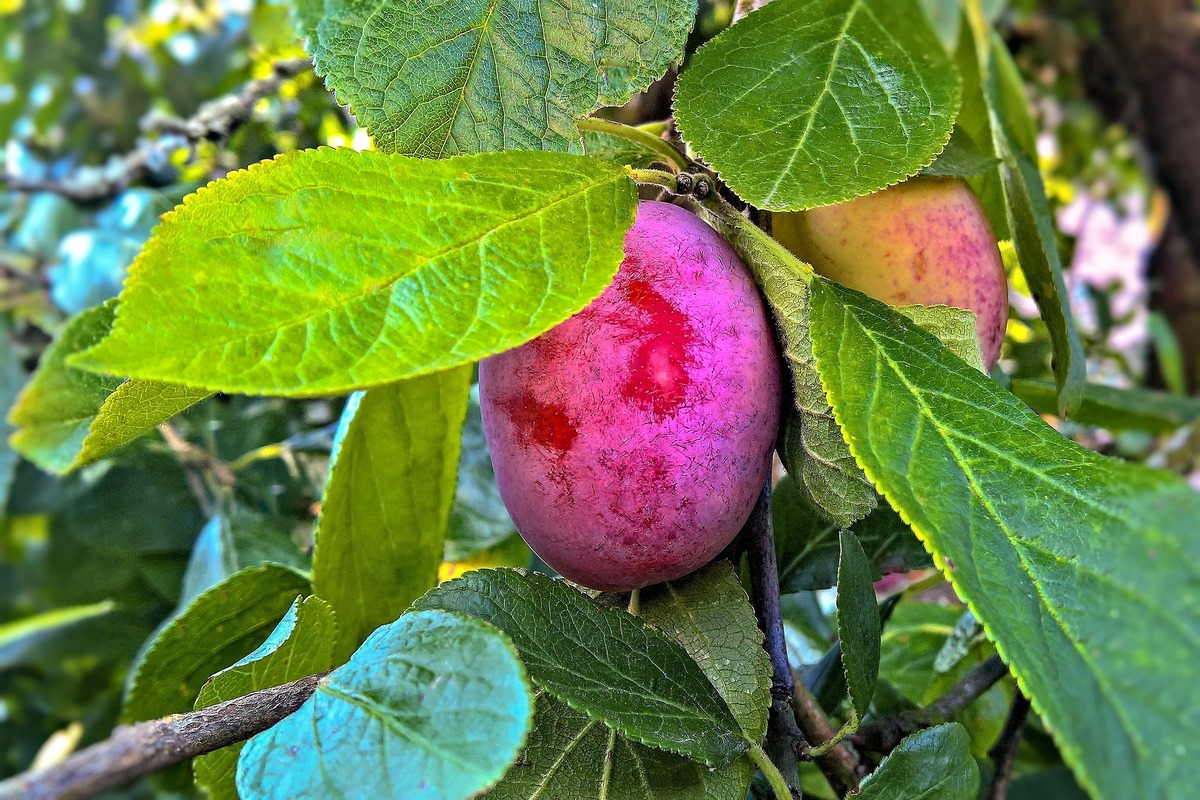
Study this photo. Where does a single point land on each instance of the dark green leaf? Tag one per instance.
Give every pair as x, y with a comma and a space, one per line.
433, 705
383, 520
478, 518
12, 378
67, 417
432, 80
708, 613
810, 102
215, 630
230, 543
600, 661
325, 271
934, 764
21, 639
961, 158
302, 644
1114, 408
858, 622
1085, 591
806, 542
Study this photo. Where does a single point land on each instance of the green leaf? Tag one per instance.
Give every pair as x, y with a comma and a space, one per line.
810, 102
618, 150
570, 754
709, 614
12, 378
21, 639
858, 623
67, 417
603, 662
382, 529
214, 631
961, 157
954, 327
1114, 408
1000, 111
433, 705
478, 518
233, 542
302, 644
432, 80
325, 271
807, 547
933, 764
1086, 592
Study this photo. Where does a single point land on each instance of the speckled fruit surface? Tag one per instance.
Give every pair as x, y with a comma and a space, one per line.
631, 441
925, 241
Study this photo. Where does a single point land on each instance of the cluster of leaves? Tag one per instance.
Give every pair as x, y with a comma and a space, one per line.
485, 217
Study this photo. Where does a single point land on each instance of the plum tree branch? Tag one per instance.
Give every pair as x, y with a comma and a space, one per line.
136, 750
214, 121
795, 717
1004, 751
883, 736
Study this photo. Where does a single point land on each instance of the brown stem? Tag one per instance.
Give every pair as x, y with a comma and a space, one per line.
884, 735
1004, 751
214, 121
136, 750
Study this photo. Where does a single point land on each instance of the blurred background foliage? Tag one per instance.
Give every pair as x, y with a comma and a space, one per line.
92, 95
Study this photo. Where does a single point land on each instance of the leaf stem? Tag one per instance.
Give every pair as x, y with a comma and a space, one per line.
770, 772
655, 177
673, 158
1004, 751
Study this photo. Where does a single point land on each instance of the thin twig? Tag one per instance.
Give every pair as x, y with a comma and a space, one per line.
1004, 751
883, 736
137, 750
214, 121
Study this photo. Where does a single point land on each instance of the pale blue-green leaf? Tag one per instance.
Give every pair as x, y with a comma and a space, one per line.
66, 417
858, 622
934, 764
326, 271
601, 661
438, 79
810, 102
478, 518
382, 529
1090, 590
229, 543
434, 706
302, 644
12, 378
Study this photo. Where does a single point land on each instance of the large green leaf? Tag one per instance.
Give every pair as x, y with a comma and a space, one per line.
215, 630
433, 705
383, 520
601, 661
301, 645
858, 622
807, 547
436, 79
325, 271
934, 764
67, 417
810, 102
709, 614
1082, 568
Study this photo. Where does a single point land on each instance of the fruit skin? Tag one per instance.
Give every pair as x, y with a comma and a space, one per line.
631, 442
925, 241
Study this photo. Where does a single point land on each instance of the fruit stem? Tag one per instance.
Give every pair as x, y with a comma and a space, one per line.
671, 157
770, 772
635, 602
